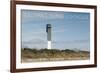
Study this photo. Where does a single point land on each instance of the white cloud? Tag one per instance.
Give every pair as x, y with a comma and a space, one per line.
35, 43
41, 15
48, 15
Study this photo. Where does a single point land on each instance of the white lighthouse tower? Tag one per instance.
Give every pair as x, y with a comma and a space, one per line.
48, 30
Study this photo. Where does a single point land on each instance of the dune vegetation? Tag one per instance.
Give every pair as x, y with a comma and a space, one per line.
40, 55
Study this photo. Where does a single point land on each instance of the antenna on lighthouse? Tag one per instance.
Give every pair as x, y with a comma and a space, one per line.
48, 30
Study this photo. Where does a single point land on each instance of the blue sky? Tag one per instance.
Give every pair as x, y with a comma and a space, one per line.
69, 29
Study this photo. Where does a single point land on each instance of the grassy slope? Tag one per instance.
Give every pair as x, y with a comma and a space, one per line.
53, 54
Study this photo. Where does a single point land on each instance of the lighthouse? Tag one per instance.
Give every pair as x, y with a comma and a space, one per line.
48, 31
